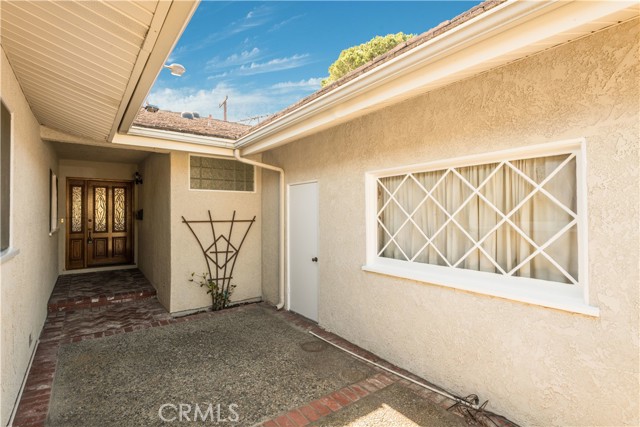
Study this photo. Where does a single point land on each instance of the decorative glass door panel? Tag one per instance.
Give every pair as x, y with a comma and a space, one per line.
76, 220
100, 219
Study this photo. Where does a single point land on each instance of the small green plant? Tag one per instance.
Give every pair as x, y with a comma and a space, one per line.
220, 294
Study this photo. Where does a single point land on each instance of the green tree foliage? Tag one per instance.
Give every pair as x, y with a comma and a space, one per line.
355, 56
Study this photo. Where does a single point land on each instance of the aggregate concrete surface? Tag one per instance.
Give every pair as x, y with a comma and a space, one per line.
393, 406
248, 358
240, 368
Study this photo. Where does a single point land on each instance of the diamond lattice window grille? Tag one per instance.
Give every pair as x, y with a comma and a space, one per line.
515, 217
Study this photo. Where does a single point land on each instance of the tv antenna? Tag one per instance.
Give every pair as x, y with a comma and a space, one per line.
224, 104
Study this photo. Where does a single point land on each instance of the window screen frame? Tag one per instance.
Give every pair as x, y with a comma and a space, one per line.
255, 182
572, 298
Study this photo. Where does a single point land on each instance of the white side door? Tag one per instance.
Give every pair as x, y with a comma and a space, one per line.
303, 249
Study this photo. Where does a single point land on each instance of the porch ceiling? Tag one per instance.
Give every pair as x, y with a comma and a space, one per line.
98, 154
80, 63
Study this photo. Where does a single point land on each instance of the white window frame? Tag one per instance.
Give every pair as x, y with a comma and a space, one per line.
53, 203
12, 251
571, 298
255, 180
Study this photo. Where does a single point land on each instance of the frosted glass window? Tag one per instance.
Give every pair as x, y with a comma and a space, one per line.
207, 173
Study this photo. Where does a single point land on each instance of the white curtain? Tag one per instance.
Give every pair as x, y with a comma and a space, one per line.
539, 218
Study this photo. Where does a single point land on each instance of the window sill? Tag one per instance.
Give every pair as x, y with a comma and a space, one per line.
8, 254
212, 190
537, 292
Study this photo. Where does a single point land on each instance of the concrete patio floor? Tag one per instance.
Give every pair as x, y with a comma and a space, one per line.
133, 364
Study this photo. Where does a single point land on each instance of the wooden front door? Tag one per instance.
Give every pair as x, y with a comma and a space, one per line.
99, 223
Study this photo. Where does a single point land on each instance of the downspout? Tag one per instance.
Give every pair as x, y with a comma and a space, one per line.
236, 154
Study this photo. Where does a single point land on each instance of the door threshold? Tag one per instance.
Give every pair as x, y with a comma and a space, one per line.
99, 269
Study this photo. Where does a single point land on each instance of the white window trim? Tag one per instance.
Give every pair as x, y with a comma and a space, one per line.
54, 221
8, 254
255, 179
571, 298
11, 251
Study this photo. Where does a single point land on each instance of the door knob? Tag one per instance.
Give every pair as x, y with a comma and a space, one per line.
314, 259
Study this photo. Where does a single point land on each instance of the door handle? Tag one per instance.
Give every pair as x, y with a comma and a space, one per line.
90, 239
314, 259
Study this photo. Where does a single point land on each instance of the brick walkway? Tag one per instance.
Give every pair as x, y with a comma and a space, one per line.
76, 291
99, 321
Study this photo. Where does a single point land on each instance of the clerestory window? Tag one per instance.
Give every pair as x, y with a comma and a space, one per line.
513, 216
210, 173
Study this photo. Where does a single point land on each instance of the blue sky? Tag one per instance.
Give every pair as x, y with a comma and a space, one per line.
267, 55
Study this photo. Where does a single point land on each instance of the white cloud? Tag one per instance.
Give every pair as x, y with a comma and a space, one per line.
281, 24
219, 76
242, 104
276, 64
257, 17
234, 60
310, 85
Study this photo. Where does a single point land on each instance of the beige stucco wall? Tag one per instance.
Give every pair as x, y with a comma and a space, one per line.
89, 169
26, 280
154, 230
186, 256
270, 236
535, 365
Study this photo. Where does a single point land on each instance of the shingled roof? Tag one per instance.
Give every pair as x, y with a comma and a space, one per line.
171, 121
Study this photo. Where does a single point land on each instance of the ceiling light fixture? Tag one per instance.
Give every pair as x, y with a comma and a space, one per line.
176, 69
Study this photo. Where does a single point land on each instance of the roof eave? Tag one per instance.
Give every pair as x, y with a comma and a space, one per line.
172, 143
508, 32
163, 35
211, 141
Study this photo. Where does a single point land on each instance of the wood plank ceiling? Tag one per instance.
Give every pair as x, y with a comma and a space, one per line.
74, 60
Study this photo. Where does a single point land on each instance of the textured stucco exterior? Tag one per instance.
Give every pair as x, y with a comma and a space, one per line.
535, 365
26, 279
270, 236
89, 170
154, 230
186, 256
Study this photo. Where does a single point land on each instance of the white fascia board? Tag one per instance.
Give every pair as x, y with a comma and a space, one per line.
511, 30
150, 142
182, 137
143, 142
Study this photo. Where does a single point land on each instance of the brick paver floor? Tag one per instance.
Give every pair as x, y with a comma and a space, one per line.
98, 321
75, 291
